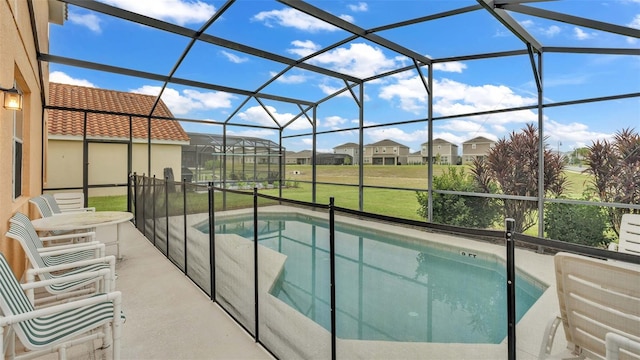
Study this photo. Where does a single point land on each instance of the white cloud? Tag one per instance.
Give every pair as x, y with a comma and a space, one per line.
635, 23
359, 7
90, 21
551, 31
527, 23
451, 98
454, 66
582, 35
181, 12
396, 134
359, 59
188, 100
234, 58
258, 115
332, 122
303, 48
293, 18
289, 79
572, 132
62, 78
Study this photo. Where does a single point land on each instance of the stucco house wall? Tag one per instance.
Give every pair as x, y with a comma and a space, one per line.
108, 136
448, 152
476, 147
18, 63
64, 163
385, 152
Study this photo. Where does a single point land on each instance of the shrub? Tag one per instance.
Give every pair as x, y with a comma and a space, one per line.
459, 210
578, 224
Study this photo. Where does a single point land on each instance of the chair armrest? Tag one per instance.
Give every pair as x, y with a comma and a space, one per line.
549, 335
90, 235
72, 248
110, 259
614, 342
80, 276
115, 297
84, 209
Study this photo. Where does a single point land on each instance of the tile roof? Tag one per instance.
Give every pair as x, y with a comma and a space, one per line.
62, 122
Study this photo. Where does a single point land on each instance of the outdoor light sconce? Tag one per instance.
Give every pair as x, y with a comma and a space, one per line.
12, 99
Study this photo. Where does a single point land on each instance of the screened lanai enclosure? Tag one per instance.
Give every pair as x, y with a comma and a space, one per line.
540, 100
316, 74
212, 157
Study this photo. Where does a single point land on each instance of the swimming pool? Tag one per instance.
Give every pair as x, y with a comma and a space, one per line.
388, 287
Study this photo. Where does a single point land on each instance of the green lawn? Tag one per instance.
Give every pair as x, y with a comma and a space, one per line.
398, 203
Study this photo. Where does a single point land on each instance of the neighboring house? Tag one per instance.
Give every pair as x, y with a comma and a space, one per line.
298, 158
443, 152
107, 139
351, 149
476, 147
386, 152
415, 158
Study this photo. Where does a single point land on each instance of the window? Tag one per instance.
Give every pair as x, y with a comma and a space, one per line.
17, 153
473, 146
384, 150
376, 149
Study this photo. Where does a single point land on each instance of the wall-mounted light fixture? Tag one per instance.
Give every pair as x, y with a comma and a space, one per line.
12, 99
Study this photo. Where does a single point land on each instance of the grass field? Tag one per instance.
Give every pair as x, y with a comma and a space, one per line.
393, 202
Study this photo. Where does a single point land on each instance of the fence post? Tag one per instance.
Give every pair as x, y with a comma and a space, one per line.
134, 180
332, 265
184, 218
153, 209
255, 259
212, 244
511, 288
166, 211
144, 205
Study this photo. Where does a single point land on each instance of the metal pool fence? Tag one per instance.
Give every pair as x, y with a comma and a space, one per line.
179, 218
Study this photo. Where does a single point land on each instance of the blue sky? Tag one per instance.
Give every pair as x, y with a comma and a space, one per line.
459, 87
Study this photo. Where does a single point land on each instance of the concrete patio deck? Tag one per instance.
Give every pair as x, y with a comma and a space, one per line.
168, 317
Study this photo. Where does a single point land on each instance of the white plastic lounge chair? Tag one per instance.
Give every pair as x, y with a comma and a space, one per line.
101, 271
596, 297
55, 253
66, 202
629, 241
619, 346
53, 329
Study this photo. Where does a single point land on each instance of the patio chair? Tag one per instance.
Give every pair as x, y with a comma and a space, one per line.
42, 205
53, 329
66, 202
101, 271
55, 253
619, 346
596, 297
629, 241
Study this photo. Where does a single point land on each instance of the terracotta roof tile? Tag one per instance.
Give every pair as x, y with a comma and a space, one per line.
62, 122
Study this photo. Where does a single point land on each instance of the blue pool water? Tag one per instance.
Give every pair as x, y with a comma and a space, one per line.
388, 289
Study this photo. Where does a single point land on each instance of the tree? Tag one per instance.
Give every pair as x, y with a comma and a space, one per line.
512, 166
615, 167
460, 210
